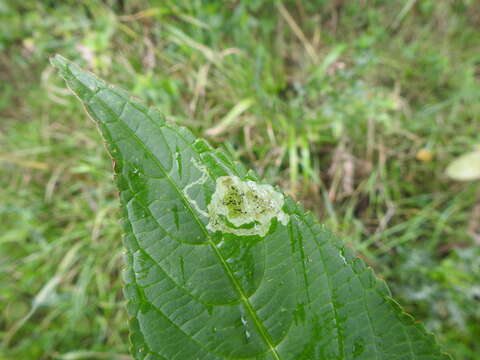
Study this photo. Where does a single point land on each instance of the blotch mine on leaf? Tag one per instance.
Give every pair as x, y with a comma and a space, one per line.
244, 208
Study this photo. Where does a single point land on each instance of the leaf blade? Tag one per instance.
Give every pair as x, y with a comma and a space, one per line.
197, 294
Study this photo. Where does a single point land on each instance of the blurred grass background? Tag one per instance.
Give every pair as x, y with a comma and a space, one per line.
354, 107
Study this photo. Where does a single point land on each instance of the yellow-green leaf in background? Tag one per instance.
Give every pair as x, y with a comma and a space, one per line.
466, 167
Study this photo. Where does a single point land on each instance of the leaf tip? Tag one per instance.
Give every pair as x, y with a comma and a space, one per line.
59, 62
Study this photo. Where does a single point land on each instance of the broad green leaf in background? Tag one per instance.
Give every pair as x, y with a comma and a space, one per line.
466, 167
220, 266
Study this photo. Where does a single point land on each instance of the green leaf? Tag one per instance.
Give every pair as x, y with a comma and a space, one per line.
466, 167
220, 266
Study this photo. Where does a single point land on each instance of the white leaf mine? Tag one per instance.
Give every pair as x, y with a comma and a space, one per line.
244, 208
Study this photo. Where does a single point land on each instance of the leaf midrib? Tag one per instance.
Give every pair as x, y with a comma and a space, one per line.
263, 332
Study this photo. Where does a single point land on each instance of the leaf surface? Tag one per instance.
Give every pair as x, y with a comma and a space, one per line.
195, 292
